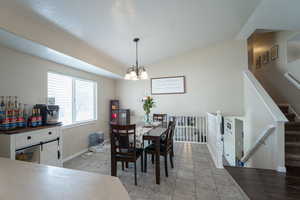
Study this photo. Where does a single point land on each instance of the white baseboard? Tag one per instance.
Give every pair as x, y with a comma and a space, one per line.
74, 155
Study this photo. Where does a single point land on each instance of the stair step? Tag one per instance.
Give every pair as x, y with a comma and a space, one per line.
293, 170
293, 144
290, 116
292, 163
291, 126
292, 157
284, 108
292, 136
292, 147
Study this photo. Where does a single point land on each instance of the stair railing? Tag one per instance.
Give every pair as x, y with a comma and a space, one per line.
292, 79
260, 140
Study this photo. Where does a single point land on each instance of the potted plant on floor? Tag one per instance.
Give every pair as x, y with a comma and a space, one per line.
147, 106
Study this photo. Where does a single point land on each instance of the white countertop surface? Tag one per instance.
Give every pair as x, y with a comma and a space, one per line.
27, 181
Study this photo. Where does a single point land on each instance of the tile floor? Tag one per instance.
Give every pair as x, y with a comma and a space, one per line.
193, 178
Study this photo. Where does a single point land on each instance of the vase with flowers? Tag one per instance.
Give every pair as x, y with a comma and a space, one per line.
147, 106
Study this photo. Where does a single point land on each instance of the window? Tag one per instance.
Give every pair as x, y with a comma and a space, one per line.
76, 98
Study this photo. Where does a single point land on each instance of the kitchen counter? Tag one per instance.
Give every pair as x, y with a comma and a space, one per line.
22, 180
27, 129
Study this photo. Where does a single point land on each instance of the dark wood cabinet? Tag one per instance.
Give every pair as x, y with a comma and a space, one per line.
117, 115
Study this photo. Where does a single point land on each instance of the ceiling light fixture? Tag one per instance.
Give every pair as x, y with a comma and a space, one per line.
136, 72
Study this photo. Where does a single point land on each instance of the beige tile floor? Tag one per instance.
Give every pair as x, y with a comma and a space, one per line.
194, 176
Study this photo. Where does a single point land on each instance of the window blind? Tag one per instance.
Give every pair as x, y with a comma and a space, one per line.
76, 98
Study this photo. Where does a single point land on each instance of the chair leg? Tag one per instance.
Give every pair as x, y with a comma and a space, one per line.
135, 178
126, 164
166, 164
142, 162
152, 159
145, 162
122, 166
171, 160
114, 168
172, 151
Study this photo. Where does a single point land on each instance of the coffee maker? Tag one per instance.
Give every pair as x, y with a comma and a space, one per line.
49, 113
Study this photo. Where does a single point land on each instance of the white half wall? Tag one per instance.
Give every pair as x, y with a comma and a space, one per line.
213, 82
260, 113
26, 76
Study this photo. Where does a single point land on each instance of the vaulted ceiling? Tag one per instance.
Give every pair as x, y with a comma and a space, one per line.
166, 28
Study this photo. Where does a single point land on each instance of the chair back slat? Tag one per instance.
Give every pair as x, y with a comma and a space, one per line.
170, 134
120, 140
159, 117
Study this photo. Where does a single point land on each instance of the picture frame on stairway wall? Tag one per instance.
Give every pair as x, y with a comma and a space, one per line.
258, 62
274, 52
266, 57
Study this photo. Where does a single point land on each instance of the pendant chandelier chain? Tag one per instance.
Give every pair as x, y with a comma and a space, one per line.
136, 72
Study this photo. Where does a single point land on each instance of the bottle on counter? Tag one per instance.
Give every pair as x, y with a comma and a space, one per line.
16, 106
38, 117
25, 116
5, 122
33, 118
12, 120
8, 106
2, 110
20, 119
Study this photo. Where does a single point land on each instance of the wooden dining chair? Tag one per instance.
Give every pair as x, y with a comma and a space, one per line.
166, 148
160, 118
122, 149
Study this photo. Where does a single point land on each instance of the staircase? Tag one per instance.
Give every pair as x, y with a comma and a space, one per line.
292, 141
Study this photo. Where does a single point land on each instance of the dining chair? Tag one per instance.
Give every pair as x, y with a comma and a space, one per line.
123, 149
166, 148
160, 118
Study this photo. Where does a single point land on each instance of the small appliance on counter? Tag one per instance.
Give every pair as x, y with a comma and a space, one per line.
50, 114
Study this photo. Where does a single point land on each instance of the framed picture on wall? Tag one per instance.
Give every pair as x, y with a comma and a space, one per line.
168, 85
258, 62
274, 52
266, 57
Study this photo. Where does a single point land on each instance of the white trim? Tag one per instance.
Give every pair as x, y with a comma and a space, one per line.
291, 109
292, 79
276, 113
74, 155
76, 124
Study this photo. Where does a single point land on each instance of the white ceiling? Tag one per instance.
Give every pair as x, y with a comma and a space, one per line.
32, 48
273, 15
166, 27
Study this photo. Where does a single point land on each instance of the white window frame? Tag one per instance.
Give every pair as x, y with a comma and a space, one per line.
74, 78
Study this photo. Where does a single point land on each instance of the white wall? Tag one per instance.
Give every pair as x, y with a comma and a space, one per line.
213, 82
271, 75
261, 112
26, 76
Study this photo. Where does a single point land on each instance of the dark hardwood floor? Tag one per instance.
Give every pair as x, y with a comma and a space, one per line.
263, 184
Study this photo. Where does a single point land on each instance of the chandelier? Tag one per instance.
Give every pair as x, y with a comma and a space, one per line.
136, 72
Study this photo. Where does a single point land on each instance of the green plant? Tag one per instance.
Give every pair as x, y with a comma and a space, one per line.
148, 104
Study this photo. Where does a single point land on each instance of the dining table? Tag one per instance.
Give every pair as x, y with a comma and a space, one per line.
154, 135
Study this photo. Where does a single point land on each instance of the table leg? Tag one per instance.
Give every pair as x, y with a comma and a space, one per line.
157, 160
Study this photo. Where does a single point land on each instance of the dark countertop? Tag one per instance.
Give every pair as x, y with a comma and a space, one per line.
28, 129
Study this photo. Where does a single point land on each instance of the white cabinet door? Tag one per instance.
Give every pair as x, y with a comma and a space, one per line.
49, 154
